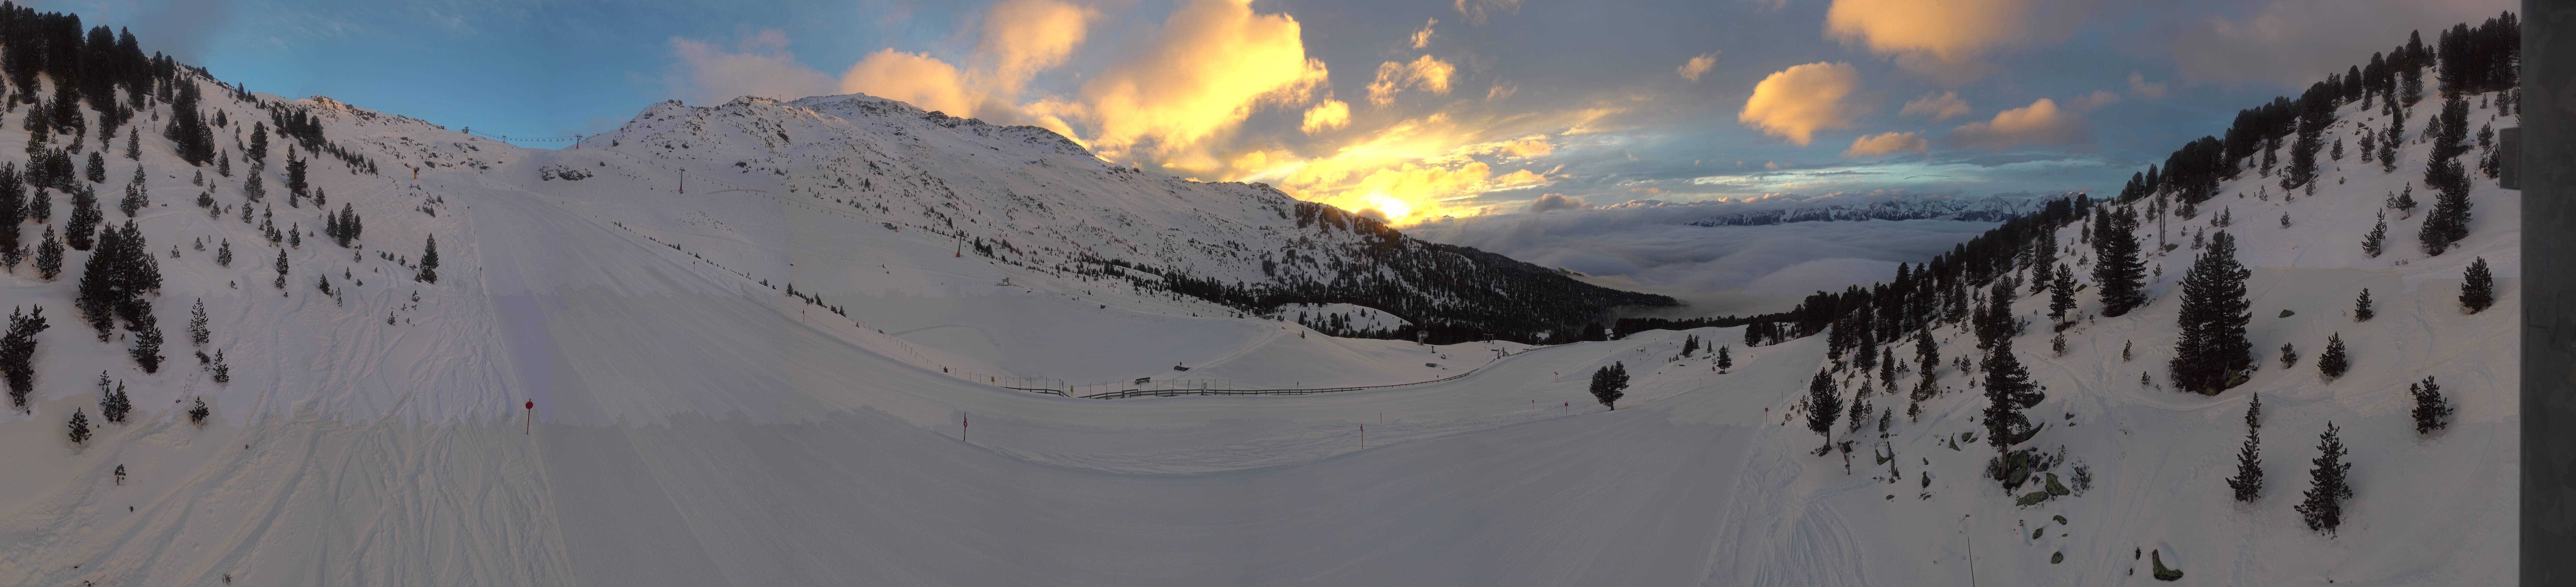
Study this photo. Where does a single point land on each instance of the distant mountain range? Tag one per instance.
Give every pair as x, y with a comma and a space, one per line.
1993, 209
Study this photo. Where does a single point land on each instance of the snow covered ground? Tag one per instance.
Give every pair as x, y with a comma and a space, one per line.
696, 425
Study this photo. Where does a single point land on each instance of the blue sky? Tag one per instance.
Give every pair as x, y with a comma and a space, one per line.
1352, 102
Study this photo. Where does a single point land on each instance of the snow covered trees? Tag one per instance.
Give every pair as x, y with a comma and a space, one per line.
2119, 274
1823, 404
2477, 292
2008, 392
2322, 509
1609, 384
429, 263
18, 352
2211, 352
2248, 482
2333, 362
2432, 411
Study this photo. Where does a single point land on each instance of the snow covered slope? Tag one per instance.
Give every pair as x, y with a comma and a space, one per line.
696, 424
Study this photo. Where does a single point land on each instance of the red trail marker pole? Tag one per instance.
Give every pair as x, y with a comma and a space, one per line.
531, 421
962, 424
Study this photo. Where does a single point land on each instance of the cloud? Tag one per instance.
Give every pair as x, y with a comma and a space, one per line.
1215, 62
2041, 122
1426, 73
2093, 101
914, 78
1476, 10
2293, 42
1326, 115
1018, 39
1500, 91
1422, 38
2138, 85
1023, 37
1698, 65
1520, 178
1796, 102
1936, 37
181, 27
1648, 241
1546, 202
1885, 143
758, 66
1937, 106
1528, 149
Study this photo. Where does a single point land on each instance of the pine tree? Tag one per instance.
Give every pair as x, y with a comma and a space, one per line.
97, 293
281, 268
147, 342
2119, 274
428, 262
2432, 410
79, 427
1725, 360
223, 371
115, 404
2248, 482
295, 183
197, 414
2376, 242
18, 352
96, 170
1824, 404
2254, 411
197, 332
2323, 507
2289, 355
1927, 356
2478, 291
1609, 384
49, 255
252, 189
40, 206
84, 219
2361, 309
224, 253
2061, 296
2333, 363
2404, 200
13, 208
2212, 349
1887, 368
2008, 392
258, 142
